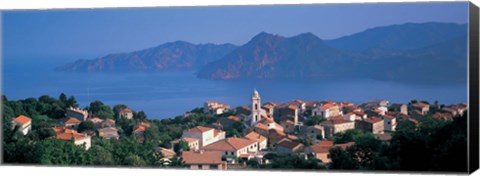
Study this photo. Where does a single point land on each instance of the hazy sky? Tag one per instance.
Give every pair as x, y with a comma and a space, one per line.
74, 34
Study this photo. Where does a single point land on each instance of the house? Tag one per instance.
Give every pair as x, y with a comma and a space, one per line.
227, 122
193, 143
261, 140
71, 123
269, 108
351, 116
81, 115
382, 103
300, 104
167, 155
443, 116
321, 150
125, 113
96, 121
402, 108
275, 136
313, 132
265, 124
233, 146
286, 146
327, 110
460, 108
422, 107
204, 160
205, 135
215, 107
108, 133
289, 112
109, 123
66, 134
373, 125
389, 123
452, 111
360, 113
24, 124
139, 130
336, 126
288, 126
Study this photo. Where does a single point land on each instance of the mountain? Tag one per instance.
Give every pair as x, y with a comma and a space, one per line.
307, 57
268, 56
401, 36
169, 56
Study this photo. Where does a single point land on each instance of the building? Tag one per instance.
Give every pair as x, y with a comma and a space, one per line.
269, 108
139, 130
327, 110
233, 146
109, 123
96, 121
81, 115
72, 135
286, 146
373, 125
227, 122
389, 123
321, 150
204, 160
205, 135
108, 133
215, 107
315, 132
336, 126
193, 143
288, 126
24, 124
402, 108
289, 112
71, 123
422, 107
125, 113
381, 103
256, 111
261, 140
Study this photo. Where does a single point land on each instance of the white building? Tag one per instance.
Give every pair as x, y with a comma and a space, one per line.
24, 124
72, 135
81, 115
390, 123
215, 107
256, 111
261, 140
205, 135
233, 146
327, 110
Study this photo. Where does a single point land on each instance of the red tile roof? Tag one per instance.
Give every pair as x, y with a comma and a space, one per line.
326, 143
230, 144
235, 118
289, 144
199, 129
202, 157
23, 119
72, 120
255, 137
373, 120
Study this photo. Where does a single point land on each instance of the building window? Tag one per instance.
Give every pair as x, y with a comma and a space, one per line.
256, 106
232, 153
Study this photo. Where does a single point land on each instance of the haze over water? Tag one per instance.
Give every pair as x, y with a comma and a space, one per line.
168, 94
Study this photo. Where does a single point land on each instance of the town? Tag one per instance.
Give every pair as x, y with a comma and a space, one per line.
247, 136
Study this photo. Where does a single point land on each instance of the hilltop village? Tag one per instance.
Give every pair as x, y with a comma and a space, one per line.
221, 137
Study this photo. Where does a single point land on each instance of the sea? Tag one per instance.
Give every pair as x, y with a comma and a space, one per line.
169, 94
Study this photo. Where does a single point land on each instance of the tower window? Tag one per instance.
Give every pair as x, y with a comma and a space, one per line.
256, 106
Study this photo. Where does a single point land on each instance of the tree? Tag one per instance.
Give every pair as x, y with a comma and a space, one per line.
348, 136
340, 159
314, 120
181, 146
86, 126
101, 110
141, 115
134, 160
252, 163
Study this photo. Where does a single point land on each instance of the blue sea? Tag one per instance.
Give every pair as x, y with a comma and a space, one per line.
168, 94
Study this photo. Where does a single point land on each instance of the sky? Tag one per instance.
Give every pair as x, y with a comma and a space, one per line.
68, 35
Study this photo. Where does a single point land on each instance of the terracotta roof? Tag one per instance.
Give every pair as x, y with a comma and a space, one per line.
230, 144
320, 149
141, 127
246, 155
95, 120
126, 110
203, 157
255, 137
261, 126
326, 143
267, 120
373, 120
189, 140
72, 120
289, 144
22, 119
420, 105
217, 132
235, 118
268, 106
199, 129
292, 107
327, 106
68, 134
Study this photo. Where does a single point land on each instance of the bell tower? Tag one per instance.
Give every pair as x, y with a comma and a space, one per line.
255, 108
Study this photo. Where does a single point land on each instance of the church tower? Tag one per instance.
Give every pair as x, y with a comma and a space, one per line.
256, 105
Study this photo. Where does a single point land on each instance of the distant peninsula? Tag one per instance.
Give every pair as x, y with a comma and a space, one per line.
410, 52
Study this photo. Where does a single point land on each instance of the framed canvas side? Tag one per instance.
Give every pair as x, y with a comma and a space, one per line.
473, 122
